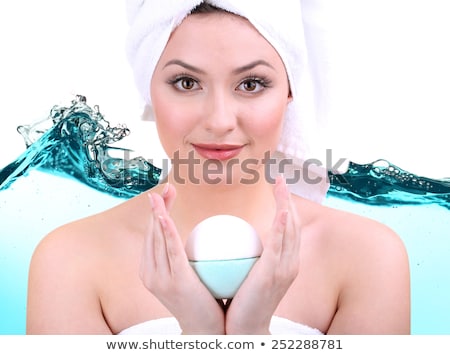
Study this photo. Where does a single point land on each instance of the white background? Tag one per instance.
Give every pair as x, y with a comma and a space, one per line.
389, 75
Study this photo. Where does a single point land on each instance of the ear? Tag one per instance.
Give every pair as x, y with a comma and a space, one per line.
290, 98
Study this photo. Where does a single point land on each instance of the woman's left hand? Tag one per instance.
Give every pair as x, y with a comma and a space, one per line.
253, 306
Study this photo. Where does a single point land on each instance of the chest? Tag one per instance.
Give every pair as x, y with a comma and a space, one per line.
310, 300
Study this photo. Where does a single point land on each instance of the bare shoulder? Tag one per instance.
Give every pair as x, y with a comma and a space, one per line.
351, 234
357, 233
370, 268
91, 238
65, 269
73, 242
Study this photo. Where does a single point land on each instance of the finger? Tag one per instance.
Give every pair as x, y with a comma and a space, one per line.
147, 258
159, 242
284, 202
279, 223
275, 241
290, 253
176, 256
169, 194
293, 228
281, 194
291, 241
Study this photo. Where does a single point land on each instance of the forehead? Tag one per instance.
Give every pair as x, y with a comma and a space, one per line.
207, 37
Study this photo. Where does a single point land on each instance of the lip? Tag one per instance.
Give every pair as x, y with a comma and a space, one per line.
218, 151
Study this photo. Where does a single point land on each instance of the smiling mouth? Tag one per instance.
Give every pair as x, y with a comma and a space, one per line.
218, 151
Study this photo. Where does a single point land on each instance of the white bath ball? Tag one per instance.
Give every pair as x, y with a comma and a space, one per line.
222, 250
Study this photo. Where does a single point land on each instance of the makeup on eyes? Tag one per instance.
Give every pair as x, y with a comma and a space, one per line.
187, 82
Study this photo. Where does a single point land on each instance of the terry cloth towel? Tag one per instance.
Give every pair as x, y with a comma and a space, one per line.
281, 23
170, 326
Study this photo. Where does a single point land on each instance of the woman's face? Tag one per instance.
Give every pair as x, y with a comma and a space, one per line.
219, 94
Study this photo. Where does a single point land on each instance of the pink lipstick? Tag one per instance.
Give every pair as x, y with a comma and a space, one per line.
218, 151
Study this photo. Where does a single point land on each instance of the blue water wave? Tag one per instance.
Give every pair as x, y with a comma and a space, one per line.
76, 141
385, 184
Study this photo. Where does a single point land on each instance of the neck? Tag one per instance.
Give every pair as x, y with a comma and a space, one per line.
194, 202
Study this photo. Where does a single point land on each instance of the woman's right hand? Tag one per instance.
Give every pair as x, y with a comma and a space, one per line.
166, 273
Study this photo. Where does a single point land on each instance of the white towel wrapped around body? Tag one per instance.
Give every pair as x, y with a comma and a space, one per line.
170, 326
281, 24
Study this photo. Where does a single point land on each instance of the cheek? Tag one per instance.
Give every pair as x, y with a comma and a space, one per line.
169, 124
163, 130
267, 122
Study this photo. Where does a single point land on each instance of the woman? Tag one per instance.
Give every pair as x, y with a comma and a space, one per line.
222, 97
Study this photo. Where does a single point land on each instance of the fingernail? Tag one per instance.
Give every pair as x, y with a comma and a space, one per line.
165, 190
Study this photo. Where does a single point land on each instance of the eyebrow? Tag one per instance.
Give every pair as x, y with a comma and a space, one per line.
236, 71
185, 65
252, 65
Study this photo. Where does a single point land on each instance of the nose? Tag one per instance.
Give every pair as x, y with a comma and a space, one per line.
219, 113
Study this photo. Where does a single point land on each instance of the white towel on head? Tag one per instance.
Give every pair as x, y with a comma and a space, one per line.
281, 24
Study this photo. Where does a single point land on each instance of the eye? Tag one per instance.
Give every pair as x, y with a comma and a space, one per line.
185, 83
250, 85
253, 84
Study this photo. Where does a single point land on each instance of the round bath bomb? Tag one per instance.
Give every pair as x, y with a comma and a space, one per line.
222, 249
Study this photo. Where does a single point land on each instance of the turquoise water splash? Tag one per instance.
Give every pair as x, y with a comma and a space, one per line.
385, 184
75, 142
